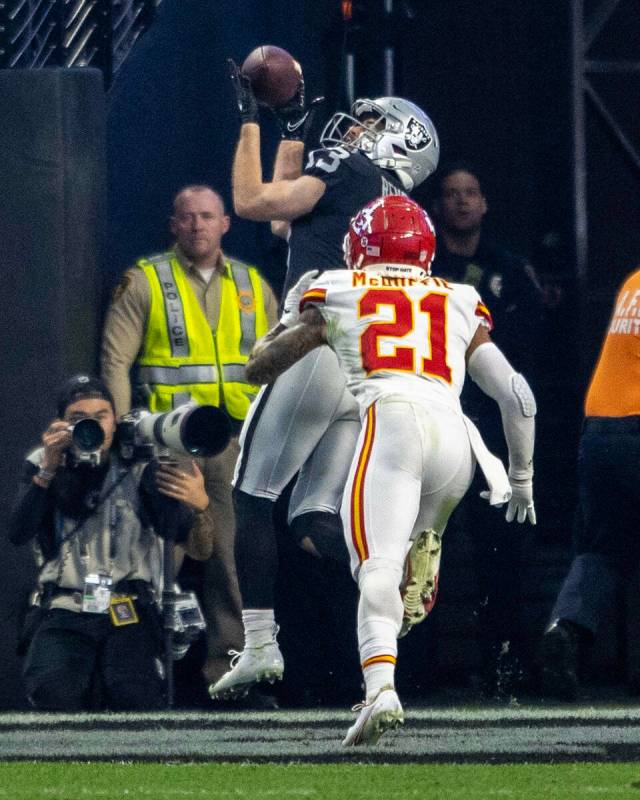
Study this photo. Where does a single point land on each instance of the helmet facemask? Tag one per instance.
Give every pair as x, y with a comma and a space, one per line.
340, 131
394, 133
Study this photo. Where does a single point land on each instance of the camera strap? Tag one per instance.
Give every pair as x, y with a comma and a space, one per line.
116, 477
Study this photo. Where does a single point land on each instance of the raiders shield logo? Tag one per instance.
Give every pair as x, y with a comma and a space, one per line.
416, 136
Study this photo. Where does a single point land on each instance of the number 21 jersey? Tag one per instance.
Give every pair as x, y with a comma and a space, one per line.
401, 335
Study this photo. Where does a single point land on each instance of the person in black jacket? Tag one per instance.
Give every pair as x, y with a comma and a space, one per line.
509, 286
94, 520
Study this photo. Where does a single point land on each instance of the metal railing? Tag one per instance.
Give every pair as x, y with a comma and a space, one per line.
71, 33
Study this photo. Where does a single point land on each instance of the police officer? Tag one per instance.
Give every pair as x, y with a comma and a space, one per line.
95, 636
466, 254
186, 320
509, 286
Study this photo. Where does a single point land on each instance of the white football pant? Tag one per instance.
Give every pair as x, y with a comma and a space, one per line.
306, 422
412, 466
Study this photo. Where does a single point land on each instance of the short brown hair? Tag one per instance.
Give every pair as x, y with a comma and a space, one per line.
200, 187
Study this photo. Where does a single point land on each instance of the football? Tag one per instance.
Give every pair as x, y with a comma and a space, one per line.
274, 75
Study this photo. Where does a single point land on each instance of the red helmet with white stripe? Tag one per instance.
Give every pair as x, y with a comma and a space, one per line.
390, 230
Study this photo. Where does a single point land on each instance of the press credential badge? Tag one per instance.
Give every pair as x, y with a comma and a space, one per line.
96, 596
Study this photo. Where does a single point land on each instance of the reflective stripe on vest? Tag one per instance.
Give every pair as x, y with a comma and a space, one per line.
176, 376
174, 308
191, 373
173, 303
244, 291
182, 358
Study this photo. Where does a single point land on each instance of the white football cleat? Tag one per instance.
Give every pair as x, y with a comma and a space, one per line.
253, 665
420, 585
382, 714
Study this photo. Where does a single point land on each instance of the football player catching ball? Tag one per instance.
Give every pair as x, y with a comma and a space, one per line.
307, 421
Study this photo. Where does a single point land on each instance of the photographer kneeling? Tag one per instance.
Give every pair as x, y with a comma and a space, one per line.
94, 519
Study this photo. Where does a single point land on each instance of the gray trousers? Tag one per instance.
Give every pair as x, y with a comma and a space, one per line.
309, 425
607, 537
221, 604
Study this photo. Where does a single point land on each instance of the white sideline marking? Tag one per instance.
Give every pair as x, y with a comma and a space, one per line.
509, 734
453, 715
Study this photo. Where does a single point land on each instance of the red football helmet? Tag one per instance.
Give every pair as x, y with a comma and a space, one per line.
390, 230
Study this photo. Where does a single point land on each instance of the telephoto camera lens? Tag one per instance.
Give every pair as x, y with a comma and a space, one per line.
205, 431
87, 435
190, 429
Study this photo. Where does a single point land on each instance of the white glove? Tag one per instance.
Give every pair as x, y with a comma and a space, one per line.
521, 504
291, 310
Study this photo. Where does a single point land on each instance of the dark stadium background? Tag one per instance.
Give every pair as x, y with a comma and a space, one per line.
496, 78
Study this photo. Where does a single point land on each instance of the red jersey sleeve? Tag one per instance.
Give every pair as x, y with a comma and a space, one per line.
485, 315
313, 296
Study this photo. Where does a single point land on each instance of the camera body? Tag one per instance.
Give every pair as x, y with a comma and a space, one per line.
189, 430
87, 438
183, 616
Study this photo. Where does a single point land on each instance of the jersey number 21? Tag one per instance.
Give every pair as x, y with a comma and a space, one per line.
404, 358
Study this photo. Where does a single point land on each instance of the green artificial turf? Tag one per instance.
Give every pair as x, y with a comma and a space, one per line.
77, 781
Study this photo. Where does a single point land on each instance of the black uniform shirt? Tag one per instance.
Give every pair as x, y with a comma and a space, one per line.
352, 180
506, 283
74, 492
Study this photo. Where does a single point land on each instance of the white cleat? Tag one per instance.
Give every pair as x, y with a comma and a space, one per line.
383, 714
253, 665
420, 586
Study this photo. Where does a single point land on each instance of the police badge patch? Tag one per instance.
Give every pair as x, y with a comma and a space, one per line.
416, 136
246, 301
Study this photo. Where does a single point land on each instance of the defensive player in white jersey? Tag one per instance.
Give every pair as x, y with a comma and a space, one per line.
404, 341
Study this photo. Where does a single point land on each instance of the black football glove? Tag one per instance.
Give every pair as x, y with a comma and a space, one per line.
245, 98
295, 118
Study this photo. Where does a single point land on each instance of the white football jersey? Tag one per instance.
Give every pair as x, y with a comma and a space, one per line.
399, 335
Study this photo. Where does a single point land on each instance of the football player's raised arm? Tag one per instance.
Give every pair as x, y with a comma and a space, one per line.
280, 200
288, 163
287, 167
282, 347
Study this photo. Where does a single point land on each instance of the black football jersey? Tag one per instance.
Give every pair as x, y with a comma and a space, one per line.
352, 180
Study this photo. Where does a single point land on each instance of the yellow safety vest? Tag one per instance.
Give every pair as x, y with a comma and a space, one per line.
182, 358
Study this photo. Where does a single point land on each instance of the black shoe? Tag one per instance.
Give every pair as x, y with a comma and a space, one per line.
559, 661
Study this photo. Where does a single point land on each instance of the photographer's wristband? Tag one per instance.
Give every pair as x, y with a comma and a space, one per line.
44, 477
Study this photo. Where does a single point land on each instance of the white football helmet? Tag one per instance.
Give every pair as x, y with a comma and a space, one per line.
394, 133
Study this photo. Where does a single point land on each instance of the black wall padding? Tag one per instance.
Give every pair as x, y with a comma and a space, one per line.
52, 210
